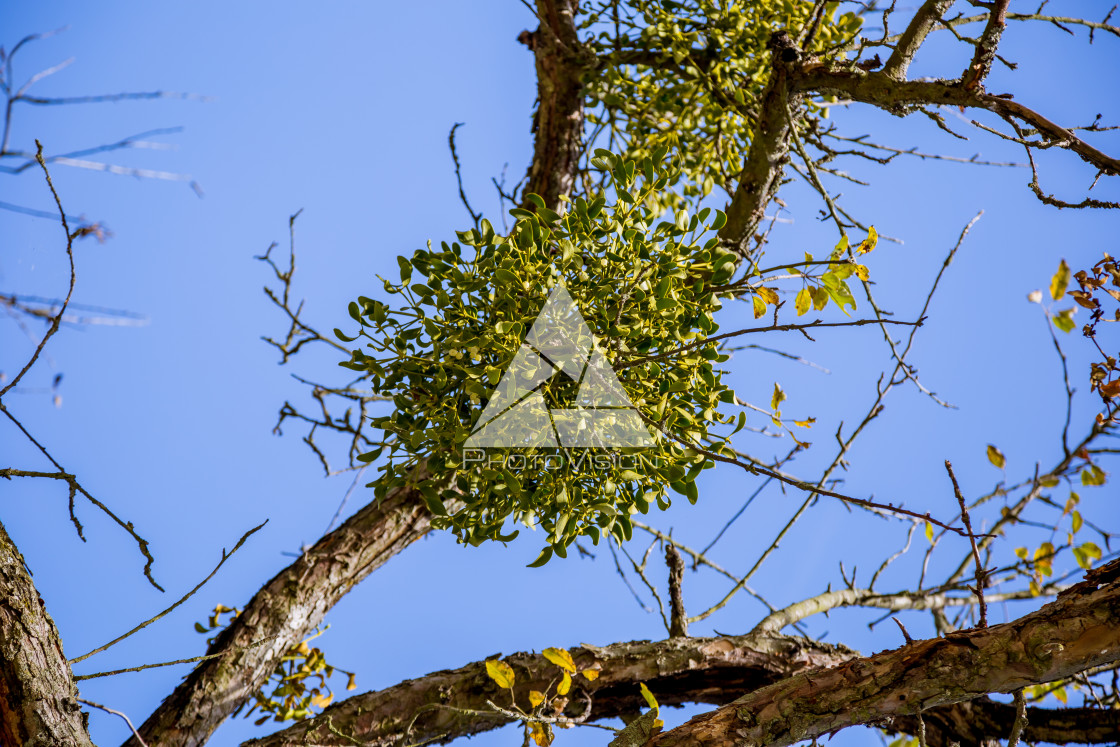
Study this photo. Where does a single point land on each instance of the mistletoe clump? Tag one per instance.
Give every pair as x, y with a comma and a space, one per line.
644, 286
692, 74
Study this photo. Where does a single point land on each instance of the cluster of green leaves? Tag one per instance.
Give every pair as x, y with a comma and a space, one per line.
690, 74
298, 687
546, 707
644, 287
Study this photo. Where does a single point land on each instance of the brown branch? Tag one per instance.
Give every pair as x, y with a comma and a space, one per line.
986, 46
981, 573
677, 670
1068, 636
285, 610
561, 61
38, 700
923, 22
978, 721
904, 97
123, 715
56, 320
769, 151
678, 620
225, 556
450, 704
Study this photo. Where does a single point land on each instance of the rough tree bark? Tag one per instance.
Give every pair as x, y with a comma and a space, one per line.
38, 700
561, 61
1074, 633
679, 670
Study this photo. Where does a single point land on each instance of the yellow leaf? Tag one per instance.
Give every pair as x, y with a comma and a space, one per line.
862, 272
929, 532
561, 658
1063, 320
536, 697
869, 243
500, 672
769, 295
1076, 521
1071, 502
648, 696
778, 398
995, 456
565, 685
759, 306
591, 674
803, 301
1060, 281
841, 246
1060, 694
1093, 475
322, 701
805, 423
351, 684
540, 735
820, 298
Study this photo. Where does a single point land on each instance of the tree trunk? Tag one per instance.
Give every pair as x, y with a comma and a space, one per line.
38, 700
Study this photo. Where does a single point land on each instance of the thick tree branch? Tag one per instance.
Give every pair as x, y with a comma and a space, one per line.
982, 720
677, 670
450, 704
38, 700
769, 151
1068, 636
285, 610
923, 22
905, 97
985, 53
562, 60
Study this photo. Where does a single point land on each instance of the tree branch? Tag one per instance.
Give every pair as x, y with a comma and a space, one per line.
769, 151
924, 21
38, 700
1068, 636
677, 670
561, 61
904, 97
285, 611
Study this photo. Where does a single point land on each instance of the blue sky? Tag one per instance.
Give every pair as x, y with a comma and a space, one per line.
343, 110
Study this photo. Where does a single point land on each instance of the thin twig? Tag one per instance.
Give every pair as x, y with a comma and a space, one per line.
475, 217
981, 574
115, 713
142, 667
1020, 719
678, 621
225, 556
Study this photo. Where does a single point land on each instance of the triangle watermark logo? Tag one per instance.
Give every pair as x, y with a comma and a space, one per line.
560, 344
